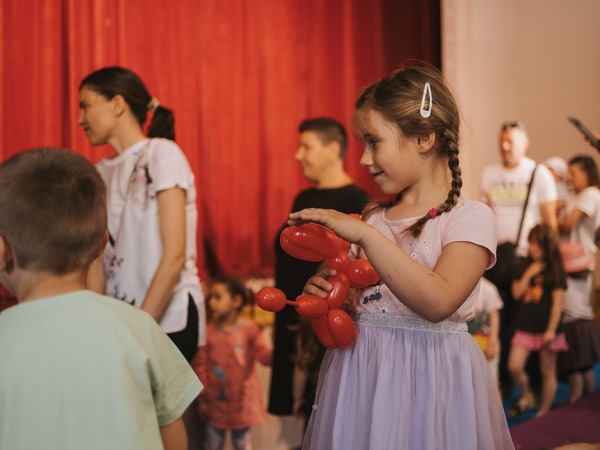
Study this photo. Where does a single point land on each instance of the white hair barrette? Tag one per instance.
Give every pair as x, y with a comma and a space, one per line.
426, 91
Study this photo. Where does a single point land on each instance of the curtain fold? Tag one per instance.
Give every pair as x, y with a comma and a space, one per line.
239, 75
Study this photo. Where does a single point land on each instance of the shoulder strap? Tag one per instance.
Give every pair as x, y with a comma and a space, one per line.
525, 205
139, 161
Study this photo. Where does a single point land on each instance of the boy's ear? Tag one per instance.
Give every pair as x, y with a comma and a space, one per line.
104, 242
6, 257
425, 142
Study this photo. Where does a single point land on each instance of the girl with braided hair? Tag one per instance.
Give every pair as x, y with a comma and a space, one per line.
414, 377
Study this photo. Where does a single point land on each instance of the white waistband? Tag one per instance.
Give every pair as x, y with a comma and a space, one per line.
413, 323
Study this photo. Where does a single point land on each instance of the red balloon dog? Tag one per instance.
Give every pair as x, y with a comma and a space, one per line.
314, 242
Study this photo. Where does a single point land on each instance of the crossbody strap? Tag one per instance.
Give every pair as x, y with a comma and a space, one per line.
142, 157
525, 206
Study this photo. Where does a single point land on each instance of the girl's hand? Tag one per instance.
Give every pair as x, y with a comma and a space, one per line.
347, 227
548, 337
535, 268
318, 284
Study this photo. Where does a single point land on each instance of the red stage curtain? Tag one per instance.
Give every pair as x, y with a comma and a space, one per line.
240, 76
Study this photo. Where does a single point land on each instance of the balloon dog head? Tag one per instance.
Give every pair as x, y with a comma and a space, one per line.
313, 242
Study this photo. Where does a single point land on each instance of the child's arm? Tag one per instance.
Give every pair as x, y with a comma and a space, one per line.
455, 275
171, 218
520, 285
557, 304
174, 436
263, 352
493, 342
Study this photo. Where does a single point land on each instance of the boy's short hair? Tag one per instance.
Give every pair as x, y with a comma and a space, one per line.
52, 210
328, 130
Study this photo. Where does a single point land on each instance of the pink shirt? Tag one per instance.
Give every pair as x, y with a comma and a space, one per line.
469, 221
225, 365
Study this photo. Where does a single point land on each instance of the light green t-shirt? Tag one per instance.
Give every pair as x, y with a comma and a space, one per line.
83, 371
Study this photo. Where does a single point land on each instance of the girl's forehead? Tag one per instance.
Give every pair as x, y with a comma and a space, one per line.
370, 122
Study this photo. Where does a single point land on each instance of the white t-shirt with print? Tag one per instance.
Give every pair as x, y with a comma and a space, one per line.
505, 191
133, 179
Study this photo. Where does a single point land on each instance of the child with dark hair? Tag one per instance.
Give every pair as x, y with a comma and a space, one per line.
538, 289
232, 400
79, 370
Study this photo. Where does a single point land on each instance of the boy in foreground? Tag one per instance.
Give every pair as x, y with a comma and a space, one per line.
78, 370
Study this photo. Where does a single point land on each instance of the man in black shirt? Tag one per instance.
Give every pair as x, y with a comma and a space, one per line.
321, 151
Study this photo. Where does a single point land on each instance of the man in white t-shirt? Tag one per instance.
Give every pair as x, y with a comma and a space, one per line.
504, 188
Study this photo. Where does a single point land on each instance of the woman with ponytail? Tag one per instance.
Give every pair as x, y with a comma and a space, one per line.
414, 377
150, 257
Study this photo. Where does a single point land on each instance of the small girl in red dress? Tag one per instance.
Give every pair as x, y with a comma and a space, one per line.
231, 399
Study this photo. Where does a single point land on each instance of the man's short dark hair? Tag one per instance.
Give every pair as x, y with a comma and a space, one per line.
328, 130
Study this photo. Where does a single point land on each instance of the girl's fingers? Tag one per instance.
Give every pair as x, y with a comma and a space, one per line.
318, 285
314, 290
311, 215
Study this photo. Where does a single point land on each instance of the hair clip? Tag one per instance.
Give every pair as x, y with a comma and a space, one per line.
432, 213
426, 112
153, 104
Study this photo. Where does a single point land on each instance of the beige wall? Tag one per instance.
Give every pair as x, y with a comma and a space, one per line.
534, 60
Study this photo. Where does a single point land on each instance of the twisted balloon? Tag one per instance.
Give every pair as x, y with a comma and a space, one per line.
313, 242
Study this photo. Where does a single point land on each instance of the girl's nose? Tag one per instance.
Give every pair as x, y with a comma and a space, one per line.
366, 159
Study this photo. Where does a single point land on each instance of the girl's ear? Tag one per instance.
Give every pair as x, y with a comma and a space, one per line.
425, 142
238, 302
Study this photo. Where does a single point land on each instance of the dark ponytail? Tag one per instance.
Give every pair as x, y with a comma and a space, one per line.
162, 124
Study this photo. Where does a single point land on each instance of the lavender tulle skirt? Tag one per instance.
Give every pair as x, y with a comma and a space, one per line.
422, 386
